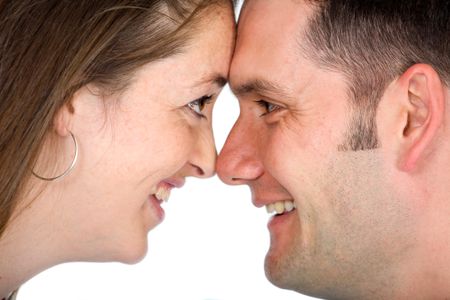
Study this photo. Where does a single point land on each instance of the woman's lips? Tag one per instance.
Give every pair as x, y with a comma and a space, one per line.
163, 192
163, 189
175, 182
157, 208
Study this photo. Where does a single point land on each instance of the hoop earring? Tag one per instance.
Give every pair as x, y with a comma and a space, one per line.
66, 172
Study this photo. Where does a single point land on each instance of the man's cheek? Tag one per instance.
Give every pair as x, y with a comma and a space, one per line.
284, 161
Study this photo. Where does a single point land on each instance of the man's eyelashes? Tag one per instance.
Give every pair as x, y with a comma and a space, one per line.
268, 107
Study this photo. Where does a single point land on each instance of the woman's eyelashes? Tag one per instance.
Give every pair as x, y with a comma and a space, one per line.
268, 107
198, 105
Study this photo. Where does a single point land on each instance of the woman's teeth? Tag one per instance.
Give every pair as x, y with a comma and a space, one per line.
280, 207
162, 194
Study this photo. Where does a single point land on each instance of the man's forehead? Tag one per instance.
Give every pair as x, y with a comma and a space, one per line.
276, 14
267, 50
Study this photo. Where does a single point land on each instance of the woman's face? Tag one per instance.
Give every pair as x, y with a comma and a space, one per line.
143, 142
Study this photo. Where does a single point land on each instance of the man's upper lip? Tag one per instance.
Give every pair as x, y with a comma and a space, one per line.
261, 202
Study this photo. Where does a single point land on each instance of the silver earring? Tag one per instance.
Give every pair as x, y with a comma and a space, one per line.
66, 172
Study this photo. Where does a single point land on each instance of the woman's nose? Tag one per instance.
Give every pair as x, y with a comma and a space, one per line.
203, 160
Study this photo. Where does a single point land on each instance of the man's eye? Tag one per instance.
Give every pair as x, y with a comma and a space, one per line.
268, 107
198, 105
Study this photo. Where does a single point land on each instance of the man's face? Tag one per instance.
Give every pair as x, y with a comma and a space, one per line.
347, 229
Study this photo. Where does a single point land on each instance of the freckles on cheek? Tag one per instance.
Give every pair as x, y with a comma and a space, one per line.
178, 144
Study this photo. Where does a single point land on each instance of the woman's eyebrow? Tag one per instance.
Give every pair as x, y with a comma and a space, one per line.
217, 79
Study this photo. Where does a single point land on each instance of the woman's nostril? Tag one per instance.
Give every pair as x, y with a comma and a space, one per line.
200, 171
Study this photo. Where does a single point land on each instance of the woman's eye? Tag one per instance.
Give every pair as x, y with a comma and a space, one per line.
268, 107
198, 105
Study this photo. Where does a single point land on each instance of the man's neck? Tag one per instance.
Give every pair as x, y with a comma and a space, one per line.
429, 276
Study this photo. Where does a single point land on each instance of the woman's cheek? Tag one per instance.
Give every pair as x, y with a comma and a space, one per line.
177, 153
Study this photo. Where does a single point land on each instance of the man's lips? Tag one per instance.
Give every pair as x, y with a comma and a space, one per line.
277, 223
277, 207
280, 207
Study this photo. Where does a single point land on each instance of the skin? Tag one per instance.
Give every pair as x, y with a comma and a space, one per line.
363, 221
129, 144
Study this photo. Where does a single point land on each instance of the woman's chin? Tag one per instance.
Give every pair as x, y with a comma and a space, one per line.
134, 258
127, 251
132, 253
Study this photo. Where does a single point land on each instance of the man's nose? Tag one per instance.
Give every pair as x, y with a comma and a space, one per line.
238, 162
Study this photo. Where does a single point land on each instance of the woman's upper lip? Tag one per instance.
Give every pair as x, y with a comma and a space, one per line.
175, 182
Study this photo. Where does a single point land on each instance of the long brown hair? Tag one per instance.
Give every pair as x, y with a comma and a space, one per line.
51, 48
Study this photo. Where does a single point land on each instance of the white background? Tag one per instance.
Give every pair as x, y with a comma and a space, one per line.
211, 246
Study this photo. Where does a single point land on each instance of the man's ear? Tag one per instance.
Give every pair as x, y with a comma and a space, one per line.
423, 97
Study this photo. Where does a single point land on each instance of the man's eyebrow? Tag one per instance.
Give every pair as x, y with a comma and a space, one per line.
260, 86
217, 79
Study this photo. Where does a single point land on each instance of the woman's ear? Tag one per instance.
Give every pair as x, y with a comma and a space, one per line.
62, 121
423, 97
87, 104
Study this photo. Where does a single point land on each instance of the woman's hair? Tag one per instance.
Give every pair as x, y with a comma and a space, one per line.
51, 48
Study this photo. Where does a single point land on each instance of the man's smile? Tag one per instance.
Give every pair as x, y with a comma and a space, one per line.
280, 207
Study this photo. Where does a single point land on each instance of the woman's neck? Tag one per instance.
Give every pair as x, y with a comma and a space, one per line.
22, 258
28, 246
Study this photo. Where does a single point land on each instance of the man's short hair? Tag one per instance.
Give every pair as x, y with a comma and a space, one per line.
372, 43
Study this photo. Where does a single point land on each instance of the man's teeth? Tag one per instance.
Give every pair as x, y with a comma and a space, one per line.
162, 194
280, 207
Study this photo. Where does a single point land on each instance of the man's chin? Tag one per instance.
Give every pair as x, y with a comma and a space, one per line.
273, 273
281, 262
278, 269
287, 271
